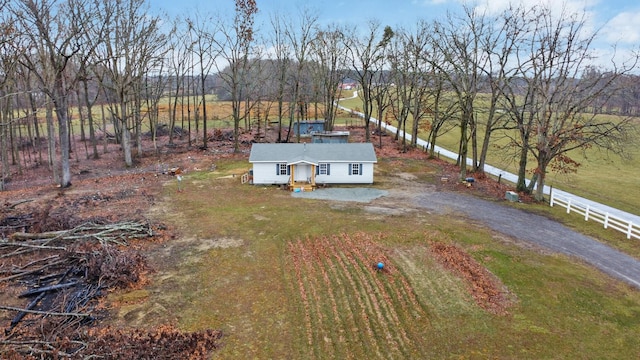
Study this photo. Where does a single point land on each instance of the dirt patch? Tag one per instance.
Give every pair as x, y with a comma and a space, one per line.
387, 211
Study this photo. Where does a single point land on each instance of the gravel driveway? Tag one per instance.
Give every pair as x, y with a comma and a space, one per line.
515, 223
537, 230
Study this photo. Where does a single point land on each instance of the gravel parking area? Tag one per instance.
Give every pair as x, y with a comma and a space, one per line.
359, 194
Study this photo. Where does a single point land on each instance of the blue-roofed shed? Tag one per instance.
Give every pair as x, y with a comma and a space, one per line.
308, 127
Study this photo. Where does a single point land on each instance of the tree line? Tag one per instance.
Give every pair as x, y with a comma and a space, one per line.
524, 79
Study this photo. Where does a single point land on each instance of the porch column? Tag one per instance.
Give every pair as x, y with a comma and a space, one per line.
292, 176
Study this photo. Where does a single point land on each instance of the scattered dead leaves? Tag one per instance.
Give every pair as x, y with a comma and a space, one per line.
486, 289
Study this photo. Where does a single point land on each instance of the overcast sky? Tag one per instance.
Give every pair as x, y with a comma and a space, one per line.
616, 21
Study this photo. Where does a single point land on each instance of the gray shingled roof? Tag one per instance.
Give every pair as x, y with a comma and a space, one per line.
312, 152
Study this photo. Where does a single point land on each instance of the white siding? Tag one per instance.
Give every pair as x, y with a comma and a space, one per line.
339, 174
265, 173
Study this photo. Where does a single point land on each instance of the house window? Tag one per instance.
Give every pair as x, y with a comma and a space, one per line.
323, 169
282, 169
355, 169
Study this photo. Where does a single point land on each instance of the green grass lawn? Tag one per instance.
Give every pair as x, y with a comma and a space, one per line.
297, 281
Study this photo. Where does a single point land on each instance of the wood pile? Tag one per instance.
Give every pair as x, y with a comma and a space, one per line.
59, 279
63, 274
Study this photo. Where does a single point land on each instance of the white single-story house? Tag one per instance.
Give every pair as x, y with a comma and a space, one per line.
303, 165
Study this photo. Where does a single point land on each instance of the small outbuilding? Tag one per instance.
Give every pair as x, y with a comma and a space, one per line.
307, 128
302, 166
330, 137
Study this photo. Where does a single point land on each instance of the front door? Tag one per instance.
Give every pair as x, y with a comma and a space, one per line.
302, 173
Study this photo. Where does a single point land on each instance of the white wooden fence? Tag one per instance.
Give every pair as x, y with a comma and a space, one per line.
591, 212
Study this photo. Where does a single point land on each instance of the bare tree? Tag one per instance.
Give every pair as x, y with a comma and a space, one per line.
256, 85
9, 54
328, 54
366, 58
403, 88
498, 43
558, 99
203, 29
180, 49
234, 44
53, 31
420, 62
88, 73
457, 40
381, 97
133, 46
410, 75
444, 108
283, 54
154, 86
300, 37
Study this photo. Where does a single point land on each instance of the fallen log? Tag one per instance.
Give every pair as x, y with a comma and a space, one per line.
36, 236
22, 314
32, 246
104, 233
12, 206
51, 313
47, 288
29, 272
39, 260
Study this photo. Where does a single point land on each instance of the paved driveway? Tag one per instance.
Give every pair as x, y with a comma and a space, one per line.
534, 229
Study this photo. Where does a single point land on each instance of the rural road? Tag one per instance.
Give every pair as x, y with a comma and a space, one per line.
536, 230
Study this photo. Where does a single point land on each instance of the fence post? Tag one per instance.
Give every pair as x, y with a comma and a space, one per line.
551, 201
629, 230
606, 220
569, 206
586, 214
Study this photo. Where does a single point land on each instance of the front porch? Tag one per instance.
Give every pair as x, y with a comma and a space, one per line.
303, 177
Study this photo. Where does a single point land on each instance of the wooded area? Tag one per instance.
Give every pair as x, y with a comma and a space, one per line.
113, 71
